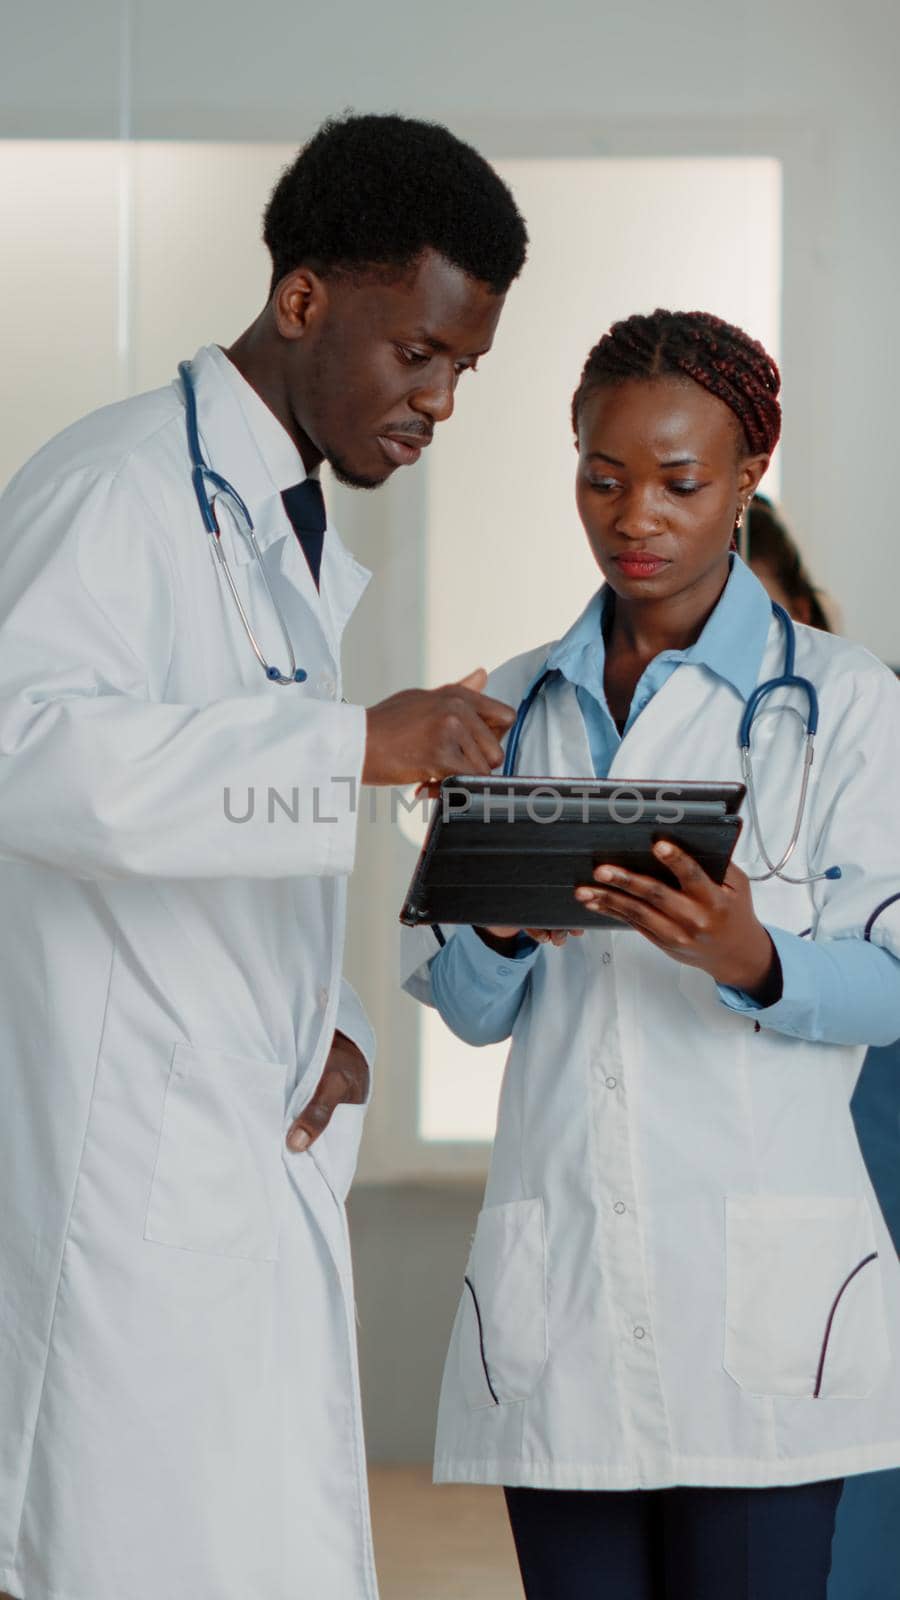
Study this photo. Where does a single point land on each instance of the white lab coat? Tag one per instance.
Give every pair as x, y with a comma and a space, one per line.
676, 1197
179, 1410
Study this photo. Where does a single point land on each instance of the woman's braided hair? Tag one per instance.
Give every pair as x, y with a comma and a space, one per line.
692, 344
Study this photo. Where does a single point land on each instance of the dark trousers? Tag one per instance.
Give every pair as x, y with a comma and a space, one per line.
675, 1544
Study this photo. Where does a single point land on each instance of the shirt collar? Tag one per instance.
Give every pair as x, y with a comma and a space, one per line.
281, 458
731, 645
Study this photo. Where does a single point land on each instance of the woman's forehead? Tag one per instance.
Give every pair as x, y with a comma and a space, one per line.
664, 415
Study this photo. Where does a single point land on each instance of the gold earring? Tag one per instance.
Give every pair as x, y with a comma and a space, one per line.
740, 516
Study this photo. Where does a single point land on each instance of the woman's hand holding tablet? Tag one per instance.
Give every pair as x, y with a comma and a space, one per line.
701, 923
509, 852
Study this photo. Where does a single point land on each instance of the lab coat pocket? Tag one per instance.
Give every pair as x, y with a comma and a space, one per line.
501, 1330
804, 1309
216, 1182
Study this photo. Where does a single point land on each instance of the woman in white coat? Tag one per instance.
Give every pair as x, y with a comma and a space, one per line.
179, 1405
679, 1326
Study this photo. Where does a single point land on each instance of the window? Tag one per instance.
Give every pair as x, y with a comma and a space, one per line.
478, 553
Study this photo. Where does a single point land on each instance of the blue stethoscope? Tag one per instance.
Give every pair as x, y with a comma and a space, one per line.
202, 474
788, 679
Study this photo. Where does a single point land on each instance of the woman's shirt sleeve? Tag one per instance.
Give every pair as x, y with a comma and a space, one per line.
838, 991
477, 991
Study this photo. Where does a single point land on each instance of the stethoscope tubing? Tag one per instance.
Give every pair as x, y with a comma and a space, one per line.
202, 474
788, 679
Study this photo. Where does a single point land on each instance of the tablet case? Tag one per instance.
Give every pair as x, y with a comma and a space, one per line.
511, 851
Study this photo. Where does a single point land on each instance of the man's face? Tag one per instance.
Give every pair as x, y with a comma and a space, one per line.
378, 368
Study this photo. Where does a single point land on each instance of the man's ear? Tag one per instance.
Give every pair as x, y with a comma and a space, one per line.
299, 303
749, 474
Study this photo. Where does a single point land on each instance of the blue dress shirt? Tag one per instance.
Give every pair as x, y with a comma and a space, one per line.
834, 991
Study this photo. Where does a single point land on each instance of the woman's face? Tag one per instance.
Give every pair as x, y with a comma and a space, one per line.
661, 475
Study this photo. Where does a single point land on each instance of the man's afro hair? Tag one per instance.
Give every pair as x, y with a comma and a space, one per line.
373, 192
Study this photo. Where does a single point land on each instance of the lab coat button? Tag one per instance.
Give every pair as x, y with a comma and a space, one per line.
619, 1208
611, 1083
639, 1332
607, 958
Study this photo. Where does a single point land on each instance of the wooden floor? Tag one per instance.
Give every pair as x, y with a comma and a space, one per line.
446, 1542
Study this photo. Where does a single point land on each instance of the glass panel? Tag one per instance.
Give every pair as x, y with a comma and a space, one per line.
460, 1085
58, 288
201, 268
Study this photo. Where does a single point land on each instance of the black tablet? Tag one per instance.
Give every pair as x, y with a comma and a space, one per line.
511, 851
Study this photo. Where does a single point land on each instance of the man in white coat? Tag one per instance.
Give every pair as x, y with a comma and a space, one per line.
182, 1066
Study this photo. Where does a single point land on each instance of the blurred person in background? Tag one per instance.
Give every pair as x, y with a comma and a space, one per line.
768, 548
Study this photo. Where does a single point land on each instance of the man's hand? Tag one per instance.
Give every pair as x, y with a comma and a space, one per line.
344, 1081
701, 923
423, 735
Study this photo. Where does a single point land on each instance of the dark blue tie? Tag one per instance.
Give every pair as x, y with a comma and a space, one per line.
305, 505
